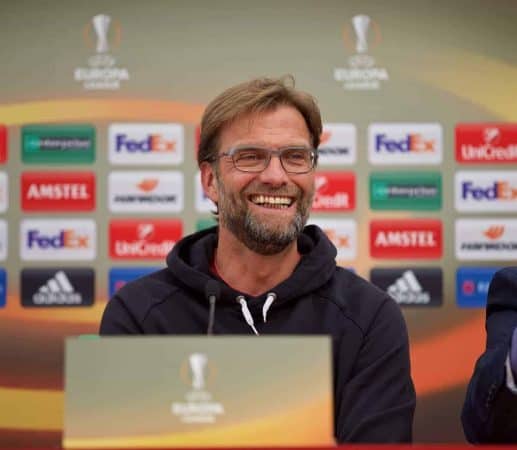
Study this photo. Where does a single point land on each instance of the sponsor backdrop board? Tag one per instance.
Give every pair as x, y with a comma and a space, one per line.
99, 112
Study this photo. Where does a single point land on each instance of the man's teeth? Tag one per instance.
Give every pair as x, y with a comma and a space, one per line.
269, 200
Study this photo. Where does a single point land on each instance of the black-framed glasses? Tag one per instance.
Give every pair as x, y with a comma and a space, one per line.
295, 160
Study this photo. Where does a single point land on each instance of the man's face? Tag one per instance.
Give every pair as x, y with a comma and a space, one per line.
267, 210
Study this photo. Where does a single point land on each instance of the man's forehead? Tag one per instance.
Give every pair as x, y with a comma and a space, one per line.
256, 127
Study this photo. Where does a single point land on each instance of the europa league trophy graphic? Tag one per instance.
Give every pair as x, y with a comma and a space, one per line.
101, 23
198, 362
361, 24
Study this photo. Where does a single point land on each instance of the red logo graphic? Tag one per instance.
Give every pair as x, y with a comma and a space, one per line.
335, 191
3, 144
417, 238
148, 184
143, 239
58, 191
486, 143
494, 232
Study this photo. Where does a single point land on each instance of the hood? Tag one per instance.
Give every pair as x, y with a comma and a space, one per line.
190, 259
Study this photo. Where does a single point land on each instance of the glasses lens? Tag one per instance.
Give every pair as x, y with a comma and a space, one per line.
250, 159
297, 160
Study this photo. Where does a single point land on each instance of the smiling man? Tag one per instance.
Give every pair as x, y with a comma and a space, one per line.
270, 273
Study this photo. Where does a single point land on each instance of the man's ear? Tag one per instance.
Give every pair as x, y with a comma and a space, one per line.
209, 181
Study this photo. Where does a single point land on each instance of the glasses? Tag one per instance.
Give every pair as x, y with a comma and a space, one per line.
255, 159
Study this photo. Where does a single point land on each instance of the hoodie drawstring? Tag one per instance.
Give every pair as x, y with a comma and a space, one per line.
271, 297
247, 314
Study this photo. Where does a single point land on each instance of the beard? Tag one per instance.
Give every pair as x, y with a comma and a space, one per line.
258, 234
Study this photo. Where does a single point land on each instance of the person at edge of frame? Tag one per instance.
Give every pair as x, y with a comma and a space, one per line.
274, 275
490, 409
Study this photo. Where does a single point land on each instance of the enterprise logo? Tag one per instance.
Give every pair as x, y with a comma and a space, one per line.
411, 286
405, 143
146, 144
494, 143
472, 285
486, 239
406, 191
49, 144
486, 191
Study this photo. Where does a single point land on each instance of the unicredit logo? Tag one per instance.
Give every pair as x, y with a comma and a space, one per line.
131, 239
335, 191
479, 143
417, 238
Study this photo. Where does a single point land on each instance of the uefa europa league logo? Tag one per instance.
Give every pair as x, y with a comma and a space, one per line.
198, 363
101, 24
361, 24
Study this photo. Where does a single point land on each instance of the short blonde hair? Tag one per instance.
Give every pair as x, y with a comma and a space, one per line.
258, 95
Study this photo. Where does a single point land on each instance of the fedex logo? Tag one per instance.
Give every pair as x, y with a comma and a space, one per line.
486, 191
399, 238
45, 239
64, 239
486, 143
405, 143
342, 233
143, 239
151, 143
410, 143
146, 144
337, 144
335, 191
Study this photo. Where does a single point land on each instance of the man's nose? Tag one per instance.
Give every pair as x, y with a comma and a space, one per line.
274, 173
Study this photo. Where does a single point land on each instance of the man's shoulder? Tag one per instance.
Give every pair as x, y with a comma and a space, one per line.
147, 290
358, 299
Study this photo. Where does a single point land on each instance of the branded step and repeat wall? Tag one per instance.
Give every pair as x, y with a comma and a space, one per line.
100, 104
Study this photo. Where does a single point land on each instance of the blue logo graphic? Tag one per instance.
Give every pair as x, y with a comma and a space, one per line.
119, 276
472, 286
3, 287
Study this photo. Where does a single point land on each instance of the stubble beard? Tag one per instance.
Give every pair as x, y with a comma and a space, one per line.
257, 234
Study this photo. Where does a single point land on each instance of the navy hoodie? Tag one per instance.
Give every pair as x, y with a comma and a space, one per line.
374, 398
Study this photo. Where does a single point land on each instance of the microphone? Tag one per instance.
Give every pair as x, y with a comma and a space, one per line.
212, 292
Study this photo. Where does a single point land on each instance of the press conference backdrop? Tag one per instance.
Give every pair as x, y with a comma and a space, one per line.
99, 107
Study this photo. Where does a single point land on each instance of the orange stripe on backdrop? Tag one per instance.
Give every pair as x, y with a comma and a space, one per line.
439, 363
445, 360
99, 109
